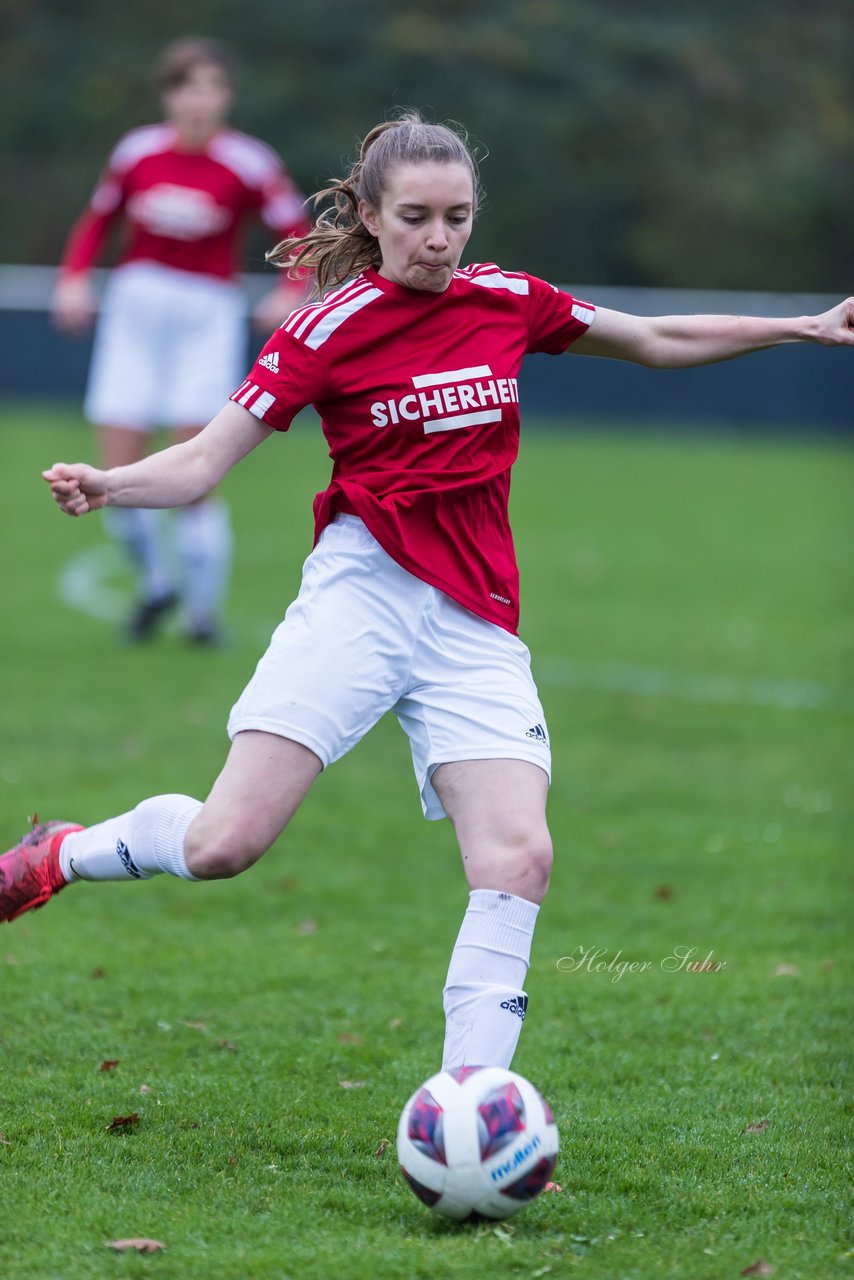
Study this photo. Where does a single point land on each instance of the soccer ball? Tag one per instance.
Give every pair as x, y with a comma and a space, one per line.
477, 1142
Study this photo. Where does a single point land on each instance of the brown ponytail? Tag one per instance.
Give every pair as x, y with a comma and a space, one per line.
339, 245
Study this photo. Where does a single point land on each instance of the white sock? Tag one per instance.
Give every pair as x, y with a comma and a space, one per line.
138, 530
484, 1001
135, 846
204, 545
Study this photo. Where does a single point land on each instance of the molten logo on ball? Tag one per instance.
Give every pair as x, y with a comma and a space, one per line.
478, 1142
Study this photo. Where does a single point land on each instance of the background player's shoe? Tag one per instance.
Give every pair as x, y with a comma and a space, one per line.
29, 873
147, 616
206, 635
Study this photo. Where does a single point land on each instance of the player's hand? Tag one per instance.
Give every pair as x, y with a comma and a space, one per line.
76, 487
275, 307
74, 303
836, 326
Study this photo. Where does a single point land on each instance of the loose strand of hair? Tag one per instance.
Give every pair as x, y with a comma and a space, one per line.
338, 245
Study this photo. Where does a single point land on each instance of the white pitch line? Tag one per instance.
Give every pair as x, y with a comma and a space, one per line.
658, 682
87, 583
95, 583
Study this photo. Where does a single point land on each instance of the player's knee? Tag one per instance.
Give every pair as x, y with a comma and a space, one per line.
221, 852
520, 864
537, 862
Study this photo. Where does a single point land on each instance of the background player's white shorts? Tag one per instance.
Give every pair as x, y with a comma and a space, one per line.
170, 347
364, 637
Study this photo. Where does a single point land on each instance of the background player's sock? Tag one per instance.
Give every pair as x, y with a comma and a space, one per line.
484, 1001
204, 546
134, 846
138, 531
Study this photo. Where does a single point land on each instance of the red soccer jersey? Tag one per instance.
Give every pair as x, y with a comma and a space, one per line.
184, 209
418, 398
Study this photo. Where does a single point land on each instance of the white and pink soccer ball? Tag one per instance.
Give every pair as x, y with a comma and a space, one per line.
477, 1142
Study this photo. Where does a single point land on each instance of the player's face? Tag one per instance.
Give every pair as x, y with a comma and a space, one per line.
423, 223
199, 104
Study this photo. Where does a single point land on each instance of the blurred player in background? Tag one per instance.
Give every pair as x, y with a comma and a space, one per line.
171, 340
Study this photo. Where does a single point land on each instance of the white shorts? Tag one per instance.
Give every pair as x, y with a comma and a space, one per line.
364, 637
170, 347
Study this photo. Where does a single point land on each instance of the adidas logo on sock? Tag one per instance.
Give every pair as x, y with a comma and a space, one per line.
127, 861
538, 733
517, 1005
271, 361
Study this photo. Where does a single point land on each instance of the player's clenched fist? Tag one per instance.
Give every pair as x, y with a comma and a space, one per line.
76, 487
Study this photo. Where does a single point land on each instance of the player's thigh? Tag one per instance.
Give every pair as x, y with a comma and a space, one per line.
126, 374
260, 788
340, 659
208, 353
498, 809
471, 697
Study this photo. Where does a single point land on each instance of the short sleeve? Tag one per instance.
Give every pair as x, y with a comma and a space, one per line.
556, 319
285, 378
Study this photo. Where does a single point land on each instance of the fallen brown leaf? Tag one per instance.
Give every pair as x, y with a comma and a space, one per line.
109, 1064
140, 1243
352, 1084
145, 1088
4, 1141
395, 1023
663, 892
828, 966
196, 1026
99, 972
757, 1128
307, 926
124, 1122
347, 1037
758, 1268
226, 1044
232, 1159
381, 1149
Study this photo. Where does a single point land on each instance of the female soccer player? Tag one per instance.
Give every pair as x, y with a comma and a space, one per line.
171, 341
409, 599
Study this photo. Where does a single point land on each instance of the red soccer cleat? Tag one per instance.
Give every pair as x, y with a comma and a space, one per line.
29, 873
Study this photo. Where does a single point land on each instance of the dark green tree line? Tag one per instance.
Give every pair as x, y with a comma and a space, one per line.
665, 143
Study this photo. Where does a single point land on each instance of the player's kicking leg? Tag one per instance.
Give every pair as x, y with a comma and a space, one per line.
260, 788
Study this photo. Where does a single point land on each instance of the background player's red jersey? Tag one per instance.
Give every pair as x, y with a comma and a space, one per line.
422, 445
184, 209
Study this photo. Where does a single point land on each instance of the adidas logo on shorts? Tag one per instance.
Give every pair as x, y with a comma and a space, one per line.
517, 1005
271, 361
538, 734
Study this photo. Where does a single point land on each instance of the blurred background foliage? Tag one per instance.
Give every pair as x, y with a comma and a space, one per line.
665, 143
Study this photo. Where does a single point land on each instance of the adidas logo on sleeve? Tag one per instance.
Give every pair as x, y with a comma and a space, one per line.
270, 361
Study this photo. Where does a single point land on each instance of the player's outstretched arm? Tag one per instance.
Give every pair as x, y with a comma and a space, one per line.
171, 478
678, 342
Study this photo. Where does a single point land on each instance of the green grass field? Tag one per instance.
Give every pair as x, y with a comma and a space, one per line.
689, 607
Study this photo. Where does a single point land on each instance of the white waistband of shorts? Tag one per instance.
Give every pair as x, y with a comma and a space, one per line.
344, 517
